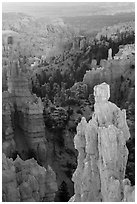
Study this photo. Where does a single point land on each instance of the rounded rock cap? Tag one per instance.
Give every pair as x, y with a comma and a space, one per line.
101, 92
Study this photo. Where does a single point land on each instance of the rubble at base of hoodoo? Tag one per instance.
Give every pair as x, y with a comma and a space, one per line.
102, 159
26, 181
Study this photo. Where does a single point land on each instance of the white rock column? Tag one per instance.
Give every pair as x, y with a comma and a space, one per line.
103, 154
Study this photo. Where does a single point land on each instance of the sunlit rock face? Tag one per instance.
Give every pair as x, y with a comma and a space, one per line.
102, 159
26, 181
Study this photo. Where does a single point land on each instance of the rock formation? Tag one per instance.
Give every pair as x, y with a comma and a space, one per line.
4, 78
26, 181
101, 144
27, 108
8, 146
24, 132
125, 51
116, 73
9, 37
67, 58
110, 54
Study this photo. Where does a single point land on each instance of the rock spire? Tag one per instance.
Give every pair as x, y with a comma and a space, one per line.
102, 158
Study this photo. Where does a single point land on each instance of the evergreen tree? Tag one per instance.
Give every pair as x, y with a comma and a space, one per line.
63, 192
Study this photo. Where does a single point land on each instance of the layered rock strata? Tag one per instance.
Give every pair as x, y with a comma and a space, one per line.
8, 146
102, 159
28, 110
30, 120
18, 84
4, 78
26, 181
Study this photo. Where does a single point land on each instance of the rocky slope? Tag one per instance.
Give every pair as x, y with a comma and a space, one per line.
101, 143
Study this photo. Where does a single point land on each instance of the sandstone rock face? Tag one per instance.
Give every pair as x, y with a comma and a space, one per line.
101, 144
28, 110
4, 78
18, 84
8, 146
26, 181
23, 117
30, 120
110, 54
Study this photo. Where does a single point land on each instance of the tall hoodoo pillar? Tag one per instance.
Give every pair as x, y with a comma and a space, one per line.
102, 159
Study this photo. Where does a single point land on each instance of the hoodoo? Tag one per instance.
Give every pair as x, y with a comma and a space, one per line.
102, 158
26, 181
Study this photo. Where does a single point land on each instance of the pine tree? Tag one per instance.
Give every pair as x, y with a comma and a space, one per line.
63, 192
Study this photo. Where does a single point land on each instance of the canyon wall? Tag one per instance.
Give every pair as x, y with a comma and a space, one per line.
102, 158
